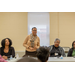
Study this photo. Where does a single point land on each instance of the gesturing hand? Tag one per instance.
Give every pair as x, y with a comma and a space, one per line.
35, 47
4, 57
31, 48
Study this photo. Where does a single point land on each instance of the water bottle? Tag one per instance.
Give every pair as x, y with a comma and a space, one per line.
11, 57
61, 57
17, 56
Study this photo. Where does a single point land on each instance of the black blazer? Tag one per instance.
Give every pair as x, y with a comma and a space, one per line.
70, 52
11, 52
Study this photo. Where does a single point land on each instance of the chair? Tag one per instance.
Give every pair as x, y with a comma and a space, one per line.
66, 49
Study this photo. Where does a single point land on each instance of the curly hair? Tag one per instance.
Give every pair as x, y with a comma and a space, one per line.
3, 42
43, 53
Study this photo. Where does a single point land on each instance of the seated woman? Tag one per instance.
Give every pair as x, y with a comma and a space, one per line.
6, 50
56, 50
71, 52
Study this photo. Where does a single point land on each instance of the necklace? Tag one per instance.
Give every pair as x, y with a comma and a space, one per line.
32, 39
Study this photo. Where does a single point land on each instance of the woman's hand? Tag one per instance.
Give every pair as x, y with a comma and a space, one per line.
35, 47
5, 57
31, 48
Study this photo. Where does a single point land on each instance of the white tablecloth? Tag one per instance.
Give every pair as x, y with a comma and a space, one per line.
65, 59
52, 59
13, 60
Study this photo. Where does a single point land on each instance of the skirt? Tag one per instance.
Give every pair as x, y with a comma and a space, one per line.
33, 54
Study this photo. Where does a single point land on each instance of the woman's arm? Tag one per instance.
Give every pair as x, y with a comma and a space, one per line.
0, 51
25, 42
13, 52
63, 53
69, 53
38, 44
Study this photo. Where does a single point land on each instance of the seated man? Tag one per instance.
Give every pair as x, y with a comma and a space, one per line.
43, 53
56, 50
42, 56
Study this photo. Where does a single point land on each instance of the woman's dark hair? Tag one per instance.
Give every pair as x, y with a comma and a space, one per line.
3, 42
33, 28
73, 43
43, 53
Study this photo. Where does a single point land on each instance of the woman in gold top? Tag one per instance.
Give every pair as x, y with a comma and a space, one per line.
32, 43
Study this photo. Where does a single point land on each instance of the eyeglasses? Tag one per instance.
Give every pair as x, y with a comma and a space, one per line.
57, 42
34, 30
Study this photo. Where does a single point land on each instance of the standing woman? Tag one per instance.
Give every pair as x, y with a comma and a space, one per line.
71, 52
6, 50
32, 43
